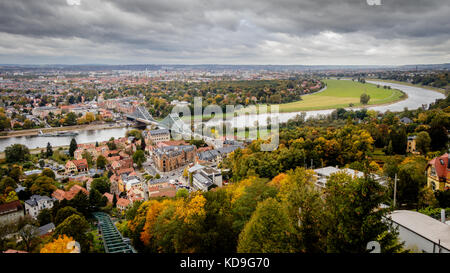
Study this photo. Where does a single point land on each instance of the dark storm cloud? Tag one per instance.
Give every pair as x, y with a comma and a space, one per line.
225, 31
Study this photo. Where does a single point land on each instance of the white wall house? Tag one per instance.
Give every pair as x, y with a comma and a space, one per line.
421, 232
322, 175
36, 203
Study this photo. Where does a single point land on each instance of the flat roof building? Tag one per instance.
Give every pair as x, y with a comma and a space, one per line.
421, 232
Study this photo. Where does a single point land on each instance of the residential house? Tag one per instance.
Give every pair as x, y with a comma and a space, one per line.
36, 203
44, 111
438, 173
411, 145
11, 212
322, 175
46, 229
406, 120
70, 194
169, 191
76, 166
128, 181
123, 204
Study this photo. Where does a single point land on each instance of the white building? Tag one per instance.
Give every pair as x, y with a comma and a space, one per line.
132, 182
36, 203
322, 175
421, 232
203, 178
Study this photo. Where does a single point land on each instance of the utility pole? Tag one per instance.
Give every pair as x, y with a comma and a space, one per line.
299, 214
395, 190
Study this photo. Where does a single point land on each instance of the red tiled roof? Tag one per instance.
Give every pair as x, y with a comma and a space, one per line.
10, 207
441, 165
109, 197
123, 202
167, 192
14, 251
60, 194
126, 170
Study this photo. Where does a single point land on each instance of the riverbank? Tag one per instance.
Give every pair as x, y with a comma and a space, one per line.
440, 90
35, 132
38, 150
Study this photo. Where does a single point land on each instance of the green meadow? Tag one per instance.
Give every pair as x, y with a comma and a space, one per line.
340, 93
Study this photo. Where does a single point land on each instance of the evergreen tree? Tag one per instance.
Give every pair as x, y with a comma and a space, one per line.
73, 147
114, 200
49, 152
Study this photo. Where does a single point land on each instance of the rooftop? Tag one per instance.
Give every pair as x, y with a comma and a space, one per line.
424, 225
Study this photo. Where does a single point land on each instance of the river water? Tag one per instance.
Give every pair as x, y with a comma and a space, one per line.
84, 136
416, 98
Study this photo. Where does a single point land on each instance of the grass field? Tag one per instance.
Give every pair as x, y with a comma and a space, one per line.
340, 93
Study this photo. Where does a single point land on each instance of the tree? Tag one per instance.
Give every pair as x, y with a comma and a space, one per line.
59, 245
43, 185
76, 227
90, 117
96, 200
15, 173
81, 203
134, 133
12, 196
27, 124
411, 178
73, 147
49, 152
185, 172
143, 145
438, 133
86, 155
65, 213
182, 193
114, 201
28, 234
111, 145
101, 184
354, 216
49, 173
7, 182
44, 217
390, 148
305, 205
139, 158
101, 162
17, 153
364, 98
423, 142
70, 119
268, 231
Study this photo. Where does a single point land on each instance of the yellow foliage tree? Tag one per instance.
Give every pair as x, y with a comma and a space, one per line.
154, 208
58, 245
194, 208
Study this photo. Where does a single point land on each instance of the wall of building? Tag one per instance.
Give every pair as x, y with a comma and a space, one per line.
415, 241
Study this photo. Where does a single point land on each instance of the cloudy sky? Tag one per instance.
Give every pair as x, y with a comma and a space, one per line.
308, 32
